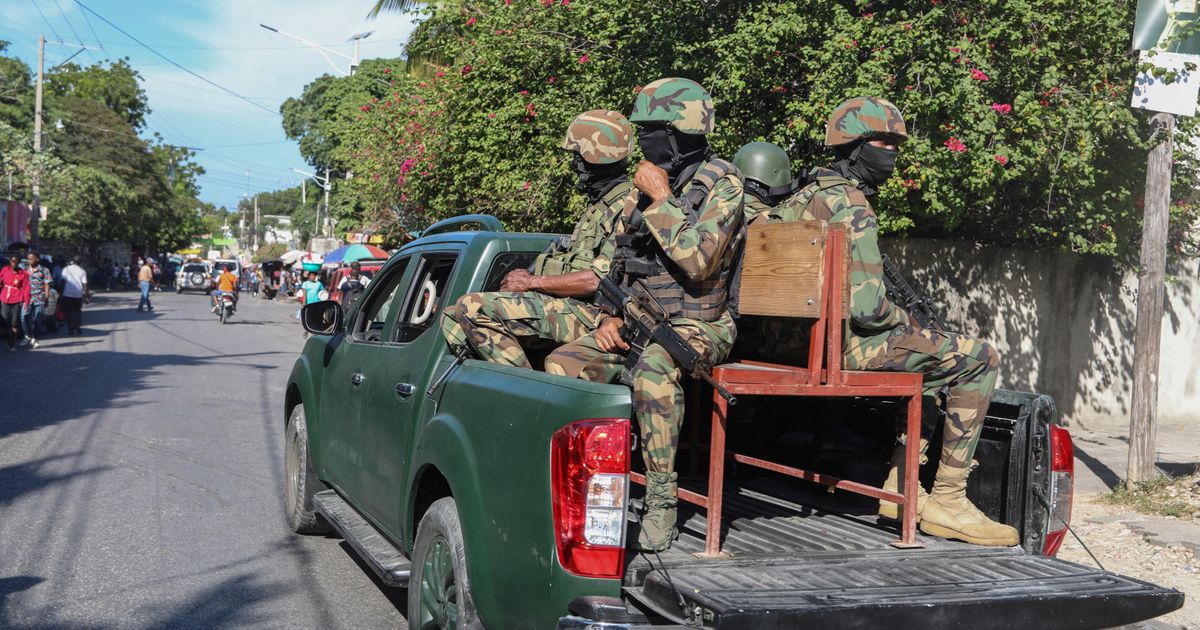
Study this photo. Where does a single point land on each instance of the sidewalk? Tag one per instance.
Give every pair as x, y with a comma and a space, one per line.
1158, 549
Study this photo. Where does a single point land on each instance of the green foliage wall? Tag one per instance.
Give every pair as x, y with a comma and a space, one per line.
1018, 109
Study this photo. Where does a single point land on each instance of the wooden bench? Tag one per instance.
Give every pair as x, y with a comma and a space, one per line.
800, 270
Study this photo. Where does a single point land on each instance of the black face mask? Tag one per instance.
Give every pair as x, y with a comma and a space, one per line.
671, 150
595, 180
867, 163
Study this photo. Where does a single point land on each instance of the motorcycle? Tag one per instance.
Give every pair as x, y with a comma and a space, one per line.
226, 307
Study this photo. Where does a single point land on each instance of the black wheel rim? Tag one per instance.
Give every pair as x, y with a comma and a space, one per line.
439, 588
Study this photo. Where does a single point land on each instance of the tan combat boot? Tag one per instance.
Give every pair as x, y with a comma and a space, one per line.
949, 514
891, 511
658, 520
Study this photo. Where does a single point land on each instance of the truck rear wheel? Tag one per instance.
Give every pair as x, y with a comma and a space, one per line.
301, 481
439, 593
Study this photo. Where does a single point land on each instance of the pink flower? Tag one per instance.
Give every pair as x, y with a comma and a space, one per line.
407, 165
1002, 108
529, 110
524, 92
364, 108
525, 186
466, 68
439, 74
584, 58
566, 2
551, 80
471, 20
1002, 160
978, 74
955, 145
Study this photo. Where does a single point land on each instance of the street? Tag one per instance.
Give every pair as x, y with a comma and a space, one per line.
141, 479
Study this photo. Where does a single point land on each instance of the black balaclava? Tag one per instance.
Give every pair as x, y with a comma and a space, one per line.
865, 162
672, 150
595, 180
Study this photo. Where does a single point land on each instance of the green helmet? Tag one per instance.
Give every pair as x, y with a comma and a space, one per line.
863, 118
680, 103
764, 163
600, 136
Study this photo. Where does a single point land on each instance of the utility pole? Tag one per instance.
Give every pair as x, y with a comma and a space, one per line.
1147, 337
255, 223
37, 145
328, 185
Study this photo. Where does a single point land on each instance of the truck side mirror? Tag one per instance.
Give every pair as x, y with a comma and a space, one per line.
322, 318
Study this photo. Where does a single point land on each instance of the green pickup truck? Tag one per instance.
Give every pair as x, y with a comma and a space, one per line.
500, 497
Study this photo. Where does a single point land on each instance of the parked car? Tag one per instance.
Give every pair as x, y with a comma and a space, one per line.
491, 492
193, 276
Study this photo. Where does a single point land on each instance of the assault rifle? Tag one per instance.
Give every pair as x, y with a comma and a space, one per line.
645, 323
901, 293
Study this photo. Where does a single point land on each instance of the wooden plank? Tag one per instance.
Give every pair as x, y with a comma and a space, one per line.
782, 275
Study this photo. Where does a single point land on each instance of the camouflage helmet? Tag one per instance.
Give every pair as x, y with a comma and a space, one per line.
680, 103
863, 118
600, 136
764, 163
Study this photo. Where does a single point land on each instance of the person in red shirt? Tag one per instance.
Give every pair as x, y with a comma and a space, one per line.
14, 284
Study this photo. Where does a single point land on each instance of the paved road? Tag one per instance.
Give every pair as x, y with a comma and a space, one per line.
140, 479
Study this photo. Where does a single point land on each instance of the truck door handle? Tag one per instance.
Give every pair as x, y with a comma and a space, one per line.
357, 379
404, 390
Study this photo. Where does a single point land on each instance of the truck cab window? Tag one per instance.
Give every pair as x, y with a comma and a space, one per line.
377, 304
426, 297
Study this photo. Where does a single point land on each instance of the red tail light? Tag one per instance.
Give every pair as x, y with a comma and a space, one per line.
1062, 487
589, 467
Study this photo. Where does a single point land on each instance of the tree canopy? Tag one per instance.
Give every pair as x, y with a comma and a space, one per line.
100, 179
1018, 111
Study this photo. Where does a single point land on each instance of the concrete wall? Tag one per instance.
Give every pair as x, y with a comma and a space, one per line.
1063, 323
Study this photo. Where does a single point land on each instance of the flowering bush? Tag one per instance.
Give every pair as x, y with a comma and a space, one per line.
1018, 113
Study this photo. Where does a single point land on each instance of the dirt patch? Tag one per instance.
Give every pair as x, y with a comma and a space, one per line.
1122, 550
1163, 496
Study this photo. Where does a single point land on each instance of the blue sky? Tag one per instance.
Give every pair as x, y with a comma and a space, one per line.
244, 146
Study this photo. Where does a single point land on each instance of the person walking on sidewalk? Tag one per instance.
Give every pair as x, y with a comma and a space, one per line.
74, 293
14, 282
37, 296
145, 283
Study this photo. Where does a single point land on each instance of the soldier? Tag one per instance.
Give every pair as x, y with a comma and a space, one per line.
865, 134
677, 250
553, 302
766, 175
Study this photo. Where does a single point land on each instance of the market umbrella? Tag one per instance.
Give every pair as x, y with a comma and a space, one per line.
355, 251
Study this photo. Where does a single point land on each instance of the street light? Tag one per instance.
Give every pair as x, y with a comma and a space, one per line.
321, 49
325, 184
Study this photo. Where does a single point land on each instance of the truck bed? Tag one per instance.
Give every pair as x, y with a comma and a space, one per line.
815, 559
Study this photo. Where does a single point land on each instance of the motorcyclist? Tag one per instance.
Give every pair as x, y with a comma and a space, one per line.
226, 283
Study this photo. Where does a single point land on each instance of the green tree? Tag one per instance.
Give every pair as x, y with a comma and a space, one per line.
1018, 111
16, 91
116, 87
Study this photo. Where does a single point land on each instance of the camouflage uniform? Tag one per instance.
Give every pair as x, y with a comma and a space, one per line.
496, 323
701, 249
879, 336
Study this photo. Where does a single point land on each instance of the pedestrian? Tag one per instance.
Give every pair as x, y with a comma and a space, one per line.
74, 294
145, 283
310, 290
14, 282
37, 297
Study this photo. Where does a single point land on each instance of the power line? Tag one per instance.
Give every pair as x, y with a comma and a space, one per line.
47, 21
73, 31
174, 63
94, 35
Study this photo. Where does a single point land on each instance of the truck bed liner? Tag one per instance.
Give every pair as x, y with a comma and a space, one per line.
795, 565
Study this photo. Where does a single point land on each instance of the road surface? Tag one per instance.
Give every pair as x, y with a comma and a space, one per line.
141, 476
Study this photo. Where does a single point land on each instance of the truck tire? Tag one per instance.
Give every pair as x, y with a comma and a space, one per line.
300, 480
439, 593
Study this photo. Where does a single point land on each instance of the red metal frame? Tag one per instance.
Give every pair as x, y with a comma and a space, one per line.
757, 378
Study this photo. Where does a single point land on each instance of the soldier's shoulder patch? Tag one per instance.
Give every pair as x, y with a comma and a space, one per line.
856, 197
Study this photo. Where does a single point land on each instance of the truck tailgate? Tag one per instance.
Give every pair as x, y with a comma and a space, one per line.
968, 587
